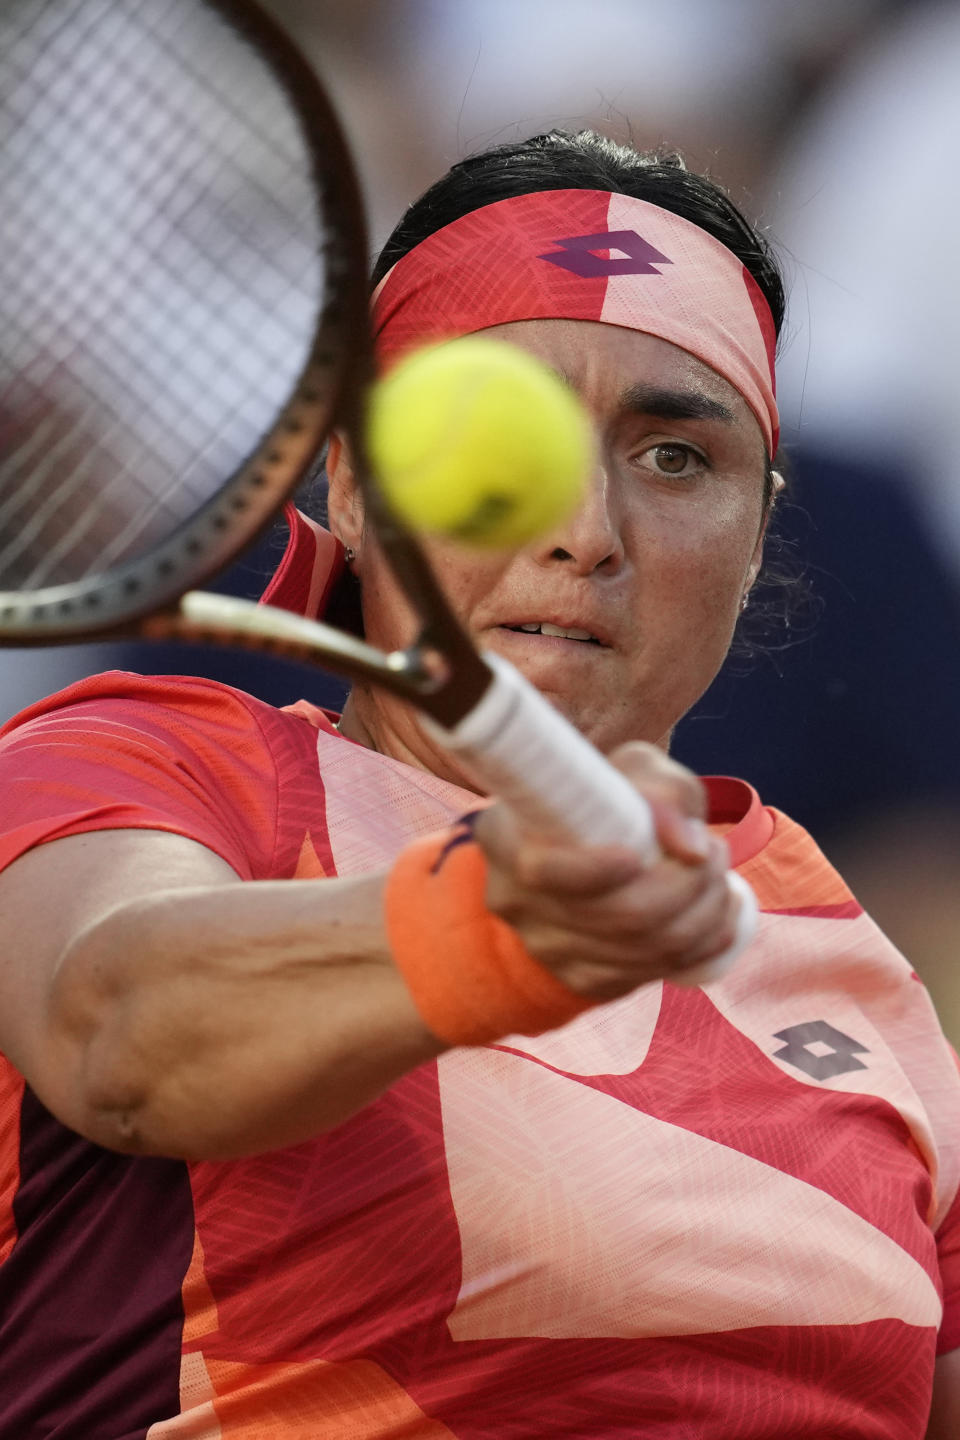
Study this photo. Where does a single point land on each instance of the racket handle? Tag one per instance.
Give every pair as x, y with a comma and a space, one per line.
522, 750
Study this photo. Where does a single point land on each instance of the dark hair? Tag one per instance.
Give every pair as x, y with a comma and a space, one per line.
560, 160
586, 161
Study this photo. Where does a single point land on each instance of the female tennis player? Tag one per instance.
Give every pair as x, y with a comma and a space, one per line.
333, 1105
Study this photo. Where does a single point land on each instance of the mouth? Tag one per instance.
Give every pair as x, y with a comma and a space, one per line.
557, 632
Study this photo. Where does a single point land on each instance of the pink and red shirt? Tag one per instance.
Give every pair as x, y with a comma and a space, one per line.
715, 1212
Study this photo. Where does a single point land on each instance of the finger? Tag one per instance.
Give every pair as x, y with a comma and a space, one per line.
607, 966
552, 866
497, 832
627, 914
715, 940
705, 926
565, 872
658, 778
685, 837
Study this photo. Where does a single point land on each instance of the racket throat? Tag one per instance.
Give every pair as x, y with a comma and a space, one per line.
441, 673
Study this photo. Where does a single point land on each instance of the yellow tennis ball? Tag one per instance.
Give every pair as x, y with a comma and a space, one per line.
477, 440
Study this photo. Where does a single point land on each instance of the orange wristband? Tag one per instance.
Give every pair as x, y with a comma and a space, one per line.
469, 974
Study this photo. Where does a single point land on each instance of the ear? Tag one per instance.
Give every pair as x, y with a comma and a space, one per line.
756, 559
344, 500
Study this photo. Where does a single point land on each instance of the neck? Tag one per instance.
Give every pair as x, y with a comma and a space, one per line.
385, 724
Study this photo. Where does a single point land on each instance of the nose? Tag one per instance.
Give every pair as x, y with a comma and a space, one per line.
590, 540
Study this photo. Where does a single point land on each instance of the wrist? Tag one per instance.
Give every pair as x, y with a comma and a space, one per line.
468, 972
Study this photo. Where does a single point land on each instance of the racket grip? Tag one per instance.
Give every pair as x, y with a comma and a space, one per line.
522, 750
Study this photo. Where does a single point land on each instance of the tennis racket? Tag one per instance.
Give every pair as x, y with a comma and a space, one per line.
183, 317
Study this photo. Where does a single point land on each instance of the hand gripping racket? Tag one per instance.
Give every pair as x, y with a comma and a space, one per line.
183, 316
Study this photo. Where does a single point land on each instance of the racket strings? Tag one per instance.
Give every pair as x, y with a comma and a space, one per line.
38, 519
161, 276
116, 236
62, 461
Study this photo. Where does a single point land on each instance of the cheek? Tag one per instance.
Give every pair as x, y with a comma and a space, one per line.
466, 577
391, 622
693, 564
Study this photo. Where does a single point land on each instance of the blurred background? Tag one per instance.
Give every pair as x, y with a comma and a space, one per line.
835, 125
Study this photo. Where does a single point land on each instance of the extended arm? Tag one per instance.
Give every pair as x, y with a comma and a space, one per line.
156, 1003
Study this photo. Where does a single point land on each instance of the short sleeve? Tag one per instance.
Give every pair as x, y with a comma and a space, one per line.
123, 751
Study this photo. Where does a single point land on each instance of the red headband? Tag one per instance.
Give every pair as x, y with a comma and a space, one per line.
586, 255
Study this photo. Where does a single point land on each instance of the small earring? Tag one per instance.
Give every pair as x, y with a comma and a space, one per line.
744, 601
349, 554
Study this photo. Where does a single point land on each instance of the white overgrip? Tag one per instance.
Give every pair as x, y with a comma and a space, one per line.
523, 751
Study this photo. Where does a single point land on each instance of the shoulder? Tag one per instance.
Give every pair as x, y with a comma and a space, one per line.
791, 874
127, 751
180, 714
119, 691
783, 863
831, 1001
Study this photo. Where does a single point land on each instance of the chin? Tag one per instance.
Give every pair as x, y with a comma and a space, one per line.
589, 719
605, 729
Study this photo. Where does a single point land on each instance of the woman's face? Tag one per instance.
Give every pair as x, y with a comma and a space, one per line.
653, 566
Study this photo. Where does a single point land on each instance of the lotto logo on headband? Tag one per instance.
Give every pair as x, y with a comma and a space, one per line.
485, 269
577, 255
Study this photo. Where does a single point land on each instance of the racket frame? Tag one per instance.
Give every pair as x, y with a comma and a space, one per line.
145, 597
338, 363
505, 732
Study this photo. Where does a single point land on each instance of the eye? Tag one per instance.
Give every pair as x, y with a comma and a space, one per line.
669, 457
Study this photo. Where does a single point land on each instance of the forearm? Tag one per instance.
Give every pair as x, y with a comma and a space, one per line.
224, 1020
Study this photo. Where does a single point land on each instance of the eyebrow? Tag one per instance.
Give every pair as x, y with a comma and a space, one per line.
673, 404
